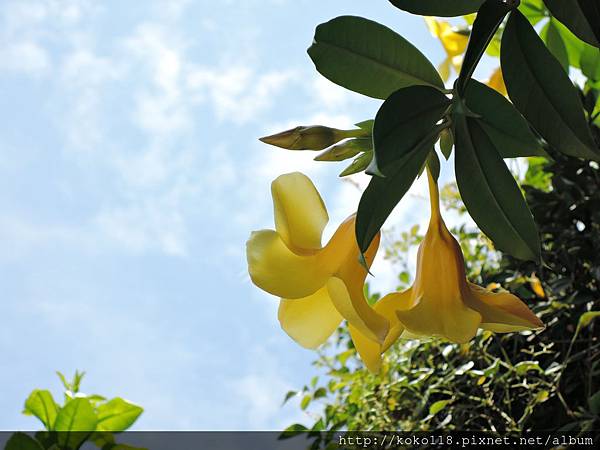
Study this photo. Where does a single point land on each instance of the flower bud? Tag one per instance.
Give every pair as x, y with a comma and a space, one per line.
346, 149
315, 137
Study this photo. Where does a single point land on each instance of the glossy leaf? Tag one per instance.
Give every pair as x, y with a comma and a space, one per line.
117, 415
369, 58
582, 17
403, 120
542, 91
22, 441
439, 8
41, 404
552, 37
75, 422
502, 122
490, 16
490, 192
383, 193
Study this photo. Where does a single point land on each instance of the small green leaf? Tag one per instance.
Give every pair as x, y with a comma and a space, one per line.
75, 422
502, 122
534, 10
292, 431
586, 318
117, 415
590, 62
366, 125
582, 17
289, 395
305, 401
41, 404
22, 441
383, 193
369, 58
439, 8
594, 403
403, 120
320, 393
552, 37
490, 16
438, 406
542, 396
526, 366
358, 165
542, 91
490, 193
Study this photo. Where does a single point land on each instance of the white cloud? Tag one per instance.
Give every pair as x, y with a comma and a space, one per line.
24, 57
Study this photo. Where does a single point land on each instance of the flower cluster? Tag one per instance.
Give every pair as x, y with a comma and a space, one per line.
320, 286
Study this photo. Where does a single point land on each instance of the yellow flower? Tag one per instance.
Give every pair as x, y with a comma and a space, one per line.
442, 302
454, 43
496, 82
319, 286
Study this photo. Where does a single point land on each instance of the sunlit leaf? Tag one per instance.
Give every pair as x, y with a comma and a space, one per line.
41, 404
117, 415
75, 422
552, 37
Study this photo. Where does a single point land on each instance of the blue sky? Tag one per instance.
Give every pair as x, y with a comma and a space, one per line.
130, 178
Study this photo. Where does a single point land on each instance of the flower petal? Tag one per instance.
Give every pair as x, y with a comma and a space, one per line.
275, 268
370, 351
310, 320
502, 312
300, 214
346, 287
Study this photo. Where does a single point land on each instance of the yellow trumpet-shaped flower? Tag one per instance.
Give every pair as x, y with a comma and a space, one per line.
442, 302
454, 43
496, 82
319, 286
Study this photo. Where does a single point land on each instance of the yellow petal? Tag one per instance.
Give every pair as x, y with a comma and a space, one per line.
437, 306
275, 268
370, 351
444, 69
300, 214
346, 287
454, 43
496, 82
433, 25
502, 312
310, 320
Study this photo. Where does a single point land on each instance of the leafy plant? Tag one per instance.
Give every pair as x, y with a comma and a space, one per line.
79, 419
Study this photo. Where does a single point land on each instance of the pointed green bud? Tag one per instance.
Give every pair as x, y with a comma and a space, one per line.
346, 149
358, 165
446, 142
315, 137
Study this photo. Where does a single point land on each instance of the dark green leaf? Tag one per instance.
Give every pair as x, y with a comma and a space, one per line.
75, 422
555, 43
293, 430
403, 120
542, 91
369, 58
490, 192
41, 404
22, 441
594, 403
289, 395
439, 8
501, 121
582, 17
117, 415
490, 16
383, 194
